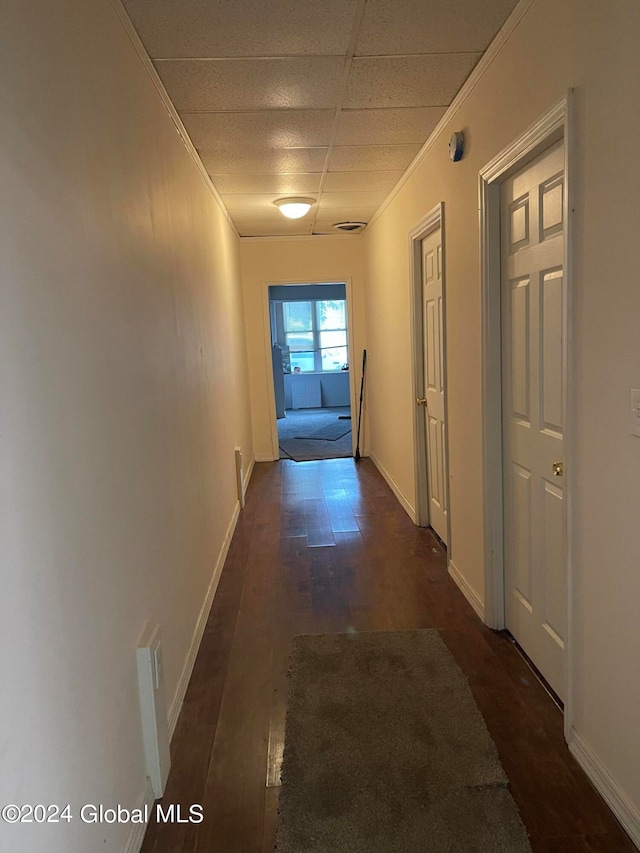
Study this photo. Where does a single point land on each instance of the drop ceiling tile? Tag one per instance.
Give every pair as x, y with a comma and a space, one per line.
337, 201
407, 81
343, 214
254, 205
249, 229
264, 161
406, 26
361, 181
269, 215
362, 158
276, 185
249, 205
255, 226
252, 84
324, 224
387, 127
210, 28
326, 227
273, 128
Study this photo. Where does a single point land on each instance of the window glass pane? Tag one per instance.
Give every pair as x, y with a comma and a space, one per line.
300, 341
334, 359
333, 346
297, 316
303, 360
333, 339
331, 314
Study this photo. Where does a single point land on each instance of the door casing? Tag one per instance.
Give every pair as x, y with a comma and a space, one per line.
554, 125
433, 221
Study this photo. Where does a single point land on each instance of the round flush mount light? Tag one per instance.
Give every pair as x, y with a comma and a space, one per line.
294, 208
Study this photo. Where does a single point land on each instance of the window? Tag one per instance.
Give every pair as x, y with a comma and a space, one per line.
332, 333
316, 334
299, 334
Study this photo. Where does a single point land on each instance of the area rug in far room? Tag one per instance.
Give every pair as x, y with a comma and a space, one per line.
387, 752
308, 434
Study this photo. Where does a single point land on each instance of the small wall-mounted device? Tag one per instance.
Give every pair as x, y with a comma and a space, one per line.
456, 146
153, 710
240, 477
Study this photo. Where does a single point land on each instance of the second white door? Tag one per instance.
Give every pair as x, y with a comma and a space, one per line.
433, 344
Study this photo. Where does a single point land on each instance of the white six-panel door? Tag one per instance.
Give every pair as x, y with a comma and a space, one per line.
434, 381
532, 218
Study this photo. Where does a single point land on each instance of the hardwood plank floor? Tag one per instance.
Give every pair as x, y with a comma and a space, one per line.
323, 547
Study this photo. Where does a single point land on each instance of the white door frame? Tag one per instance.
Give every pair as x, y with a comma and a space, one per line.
433, 221
551, 127
266, 325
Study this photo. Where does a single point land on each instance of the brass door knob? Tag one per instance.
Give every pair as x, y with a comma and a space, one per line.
558, 469
421, 401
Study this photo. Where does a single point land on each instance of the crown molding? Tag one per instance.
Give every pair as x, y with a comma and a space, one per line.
149, 67
487, 58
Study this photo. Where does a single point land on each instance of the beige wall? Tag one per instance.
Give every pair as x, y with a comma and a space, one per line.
590, 46
276, 261
123, 395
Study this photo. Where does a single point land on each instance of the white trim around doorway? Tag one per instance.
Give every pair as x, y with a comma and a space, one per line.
554, 125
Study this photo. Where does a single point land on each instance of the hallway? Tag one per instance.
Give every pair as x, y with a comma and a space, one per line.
326, 547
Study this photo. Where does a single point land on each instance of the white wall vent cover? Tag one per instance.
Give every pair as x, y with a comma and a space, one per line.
240, 477
153, 709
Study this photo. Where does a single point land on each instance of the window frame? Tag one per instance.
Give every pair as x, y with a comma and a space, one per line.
316, 332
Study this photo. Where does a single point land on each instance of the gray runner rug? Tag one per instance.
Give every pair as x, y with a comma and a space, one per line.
387, 752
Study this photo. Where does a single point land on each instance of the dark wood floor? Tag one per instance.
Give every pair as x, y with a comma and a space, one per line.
325, 547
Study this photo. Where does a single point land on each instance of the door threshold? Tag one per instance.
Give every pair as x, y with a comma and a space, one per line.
441, 542
534, 669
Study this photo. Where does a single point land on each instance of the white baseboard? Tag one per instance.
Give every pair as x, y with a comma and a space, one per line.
136, 835
397, 491
467, 590
176, 705
263, 457
247, 476
146, 797
606, 786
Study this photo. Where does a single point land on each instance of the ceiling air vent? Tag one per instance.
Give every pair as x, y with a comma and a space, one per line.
350, 227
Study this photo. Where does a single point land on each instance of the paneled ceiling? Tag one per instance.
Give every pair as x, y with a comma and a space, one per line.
330, 99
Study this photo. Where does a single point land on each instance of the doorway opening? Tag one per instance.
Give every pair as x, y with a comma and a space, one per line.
310, 364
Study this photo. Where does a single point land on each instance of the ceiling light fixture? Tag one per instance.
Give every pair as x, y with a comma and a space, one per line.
294, 208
